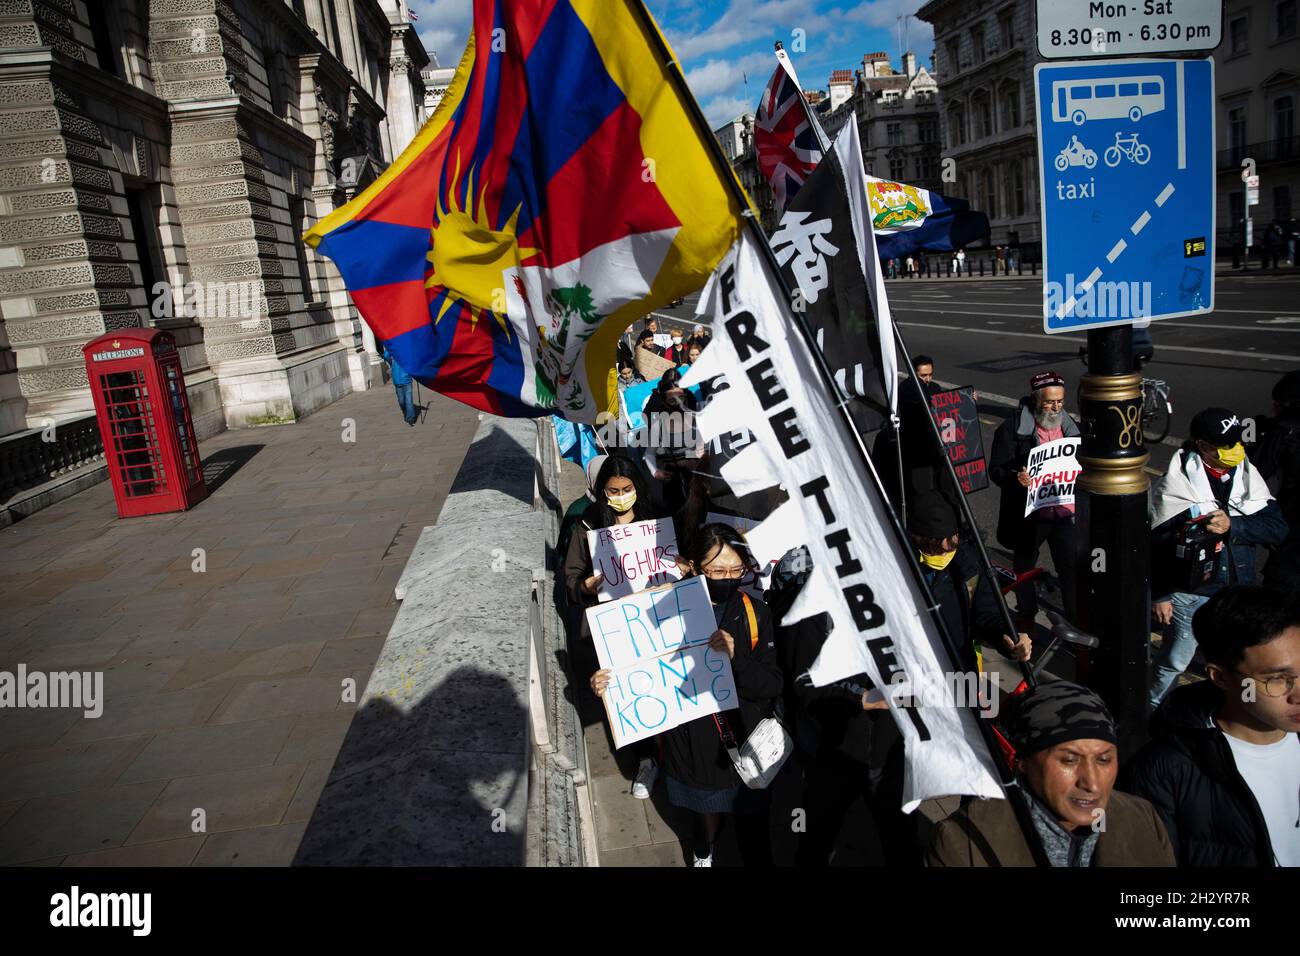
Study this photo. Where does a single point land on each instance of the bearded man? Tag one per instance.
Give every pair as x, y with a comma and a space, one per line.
1041, 418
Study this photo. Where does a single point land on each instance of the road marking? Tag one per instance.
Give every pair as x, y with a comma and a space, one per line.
1072, 338
1280, 320
1116, 250
1158, 323
1165, 194
1142, 220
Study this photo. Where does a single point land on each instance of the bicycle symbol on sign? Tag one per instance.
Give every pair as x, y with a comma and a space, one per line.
1129, 146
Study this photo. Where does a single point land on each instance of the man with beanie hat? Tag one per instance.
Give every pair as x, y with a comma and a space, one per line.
948, 567
1066, 762
1211, 482
1277, 456
1040, 418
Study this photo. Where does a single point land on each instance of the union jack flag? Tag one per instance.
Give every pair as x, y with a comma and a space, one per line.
784, 138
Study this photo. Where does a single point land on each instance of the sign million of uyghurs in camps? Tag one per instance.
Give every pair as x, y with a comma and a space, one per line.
1053, 469
634, 557
860, 576
662, 670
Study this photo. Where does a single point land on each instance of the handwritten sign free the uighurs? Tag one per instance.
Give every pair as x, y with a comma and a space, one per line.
1053, 468
957, 415
663, 672
634, 557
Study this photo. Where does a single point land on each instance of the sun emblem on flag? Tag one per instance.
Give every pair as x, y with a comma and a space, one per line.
470, 258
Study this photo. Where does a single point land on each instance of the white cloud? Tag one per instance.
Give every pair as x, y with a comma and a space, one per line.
444, 27
720, 109
725, 76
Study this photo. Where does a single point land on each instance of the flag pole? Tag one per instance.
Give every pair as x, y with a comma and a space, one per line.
986, 564
1010, 784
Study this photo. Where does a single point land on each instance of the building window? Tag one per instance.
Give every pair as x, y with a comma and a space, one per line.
894, 134
983, 116
1237, 128
1286, 19
1004, 29
142, 210
977, 45
1238, 35
898, 168
957, 126
1011, 107
298, 216
991, 194
927, 132
106, 50
1283, 120
1282, 202
954, 65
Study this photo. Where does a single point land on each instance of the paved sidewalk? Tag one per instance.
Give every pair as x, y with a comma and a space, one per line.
224, 704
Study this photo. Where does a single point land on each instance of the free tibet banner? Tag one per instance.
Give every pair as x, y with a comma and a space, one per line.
957, 415
767, 376
663, 671
1053, 468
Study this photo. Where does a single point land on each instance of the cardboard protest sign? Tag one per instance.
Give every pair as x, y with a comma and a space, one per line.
663, 672
634, 557
1053, 468
957, 415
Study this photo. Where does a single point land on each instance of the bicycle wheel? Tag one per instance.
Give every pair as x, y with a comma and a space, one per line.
1155, 419
1112, 156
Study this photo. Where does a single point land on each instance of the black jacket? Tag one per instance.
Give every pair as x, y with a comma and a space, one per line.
1277, 456
970, 619
1188, 774
1012, 442
693, 752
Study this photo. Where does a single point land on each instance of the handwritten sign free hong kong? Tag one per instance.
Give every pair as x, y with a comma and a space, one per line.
663, 672
634, 557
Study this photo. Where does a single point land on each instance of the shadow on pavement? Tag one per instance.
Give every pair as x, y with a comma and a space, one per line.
220, 467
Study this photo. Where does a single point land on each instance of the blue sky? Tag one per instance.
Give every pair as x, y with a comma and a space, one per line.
720, 42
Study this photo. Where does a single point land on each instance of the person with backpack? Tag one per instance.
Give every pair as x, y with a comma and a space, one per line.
1223, 766
402, 385
1213, 502
699, 769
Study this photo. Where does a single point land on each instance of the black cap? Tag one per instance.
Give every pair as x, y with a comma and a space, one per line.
1055, 712
1218, 426
931, 515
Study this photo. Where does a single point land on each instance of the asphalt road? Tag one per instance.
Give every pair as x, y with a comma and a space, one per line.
989, 333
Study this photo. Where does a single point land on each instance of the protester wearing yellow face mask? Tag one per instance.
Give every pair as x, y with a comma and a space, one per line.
1210, 487
935, 530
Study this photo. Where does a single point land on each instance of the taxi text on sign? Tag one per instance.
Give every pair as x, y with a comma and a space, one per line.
1126, 166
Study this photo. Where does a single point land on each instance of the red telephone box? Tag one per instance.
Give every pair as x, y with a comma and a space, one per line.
144, 420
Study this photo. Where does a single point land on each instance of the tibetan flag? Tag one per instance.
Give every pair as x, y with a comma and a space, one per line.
559, 193
907, 219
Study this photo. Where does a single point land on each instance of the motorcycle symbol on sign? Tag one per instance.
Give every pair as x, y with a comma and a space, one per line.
1129, 146
1075, 154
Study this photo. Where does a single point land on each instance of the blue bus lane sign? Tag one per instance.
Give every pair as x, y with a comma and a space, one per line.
1126, 166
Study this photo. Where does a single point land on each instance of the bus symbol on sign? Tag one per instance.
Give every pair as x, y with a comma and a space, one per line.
1078, 101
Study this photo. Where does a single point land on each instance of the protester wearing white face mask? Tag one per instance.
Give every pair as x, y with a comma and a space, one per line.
619, 497
1210, 482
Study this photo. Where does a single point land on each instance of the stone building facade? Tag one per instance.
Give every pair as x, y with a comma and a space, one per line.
984, 59
159, 160
1257, 88
897, 117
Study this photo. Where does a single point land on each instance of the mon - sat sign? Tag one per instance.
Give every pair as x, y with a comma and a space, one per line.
1082, 28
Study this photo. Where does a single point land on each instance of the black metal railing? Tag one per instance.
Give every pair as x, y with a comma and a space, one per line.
1268, 151
28, 459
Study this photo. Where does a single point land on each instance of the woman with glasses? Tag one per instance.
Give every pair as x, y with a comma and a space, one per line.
701, 776
1223, 766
